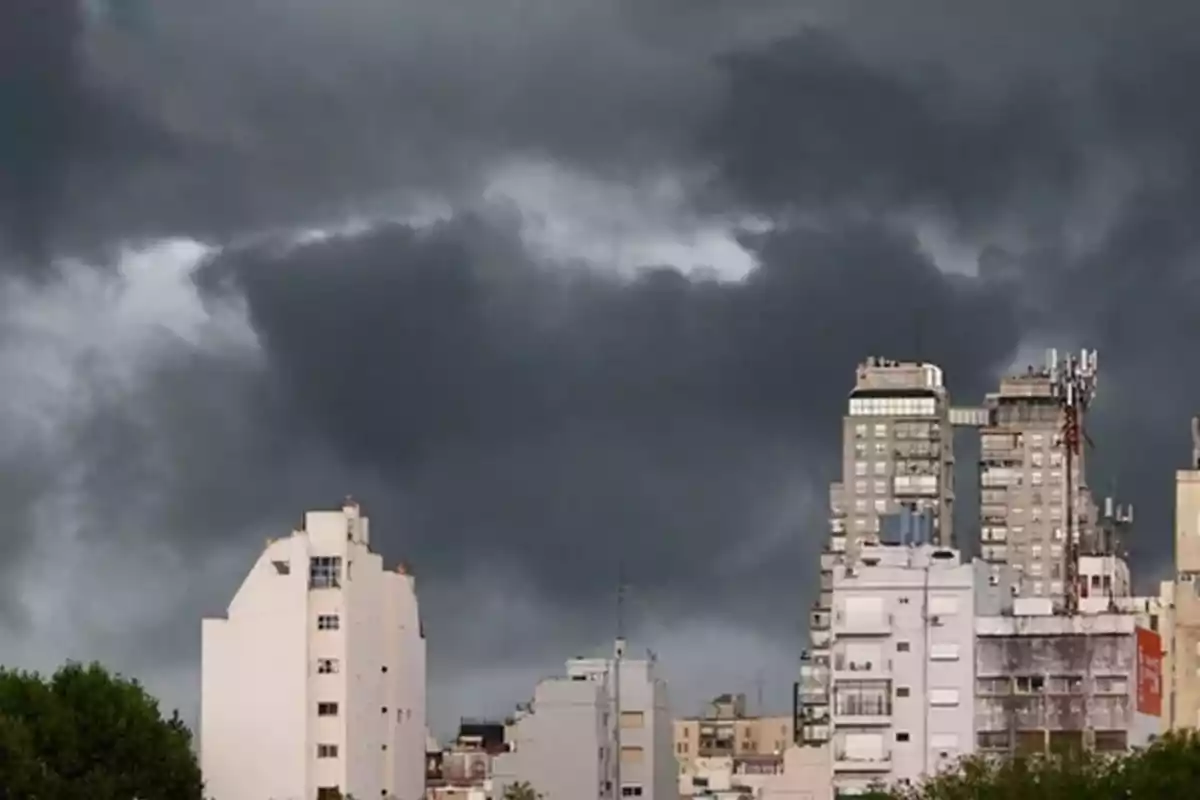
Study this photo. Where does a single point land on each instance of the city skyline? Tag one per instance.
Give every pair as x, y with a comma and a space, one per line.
549, 287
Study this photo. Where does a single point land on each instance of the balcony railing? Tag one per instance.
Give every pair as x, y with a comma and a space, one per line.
842, 663
880, 624
860, 762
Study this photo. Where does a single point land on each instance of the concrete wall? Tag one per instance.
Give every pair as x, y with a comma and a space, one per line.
1044, 680
560, 746
1186, 649
914, 655
270, 663
648, 766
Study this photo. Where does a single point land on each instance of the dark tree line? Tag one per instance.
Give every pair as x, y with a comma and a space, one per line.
86, 734
1165, 770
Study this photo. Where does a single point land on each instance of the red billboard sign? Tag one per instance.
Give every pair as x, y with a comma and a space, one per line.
1149, 673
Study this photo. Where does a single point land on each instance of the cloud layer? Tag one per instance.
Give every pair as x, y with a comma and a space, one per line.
552, 287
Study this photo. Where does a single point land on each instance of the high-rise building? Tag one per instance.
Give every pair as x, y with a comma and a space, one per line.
897, 451
313, 684
903, 662
1022, 481
1186, 647
897, 464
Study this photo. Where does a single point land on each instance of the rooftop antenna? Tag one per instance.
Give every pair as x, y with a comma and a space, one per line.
618, 657
1074, 379
1196, 442
758, 694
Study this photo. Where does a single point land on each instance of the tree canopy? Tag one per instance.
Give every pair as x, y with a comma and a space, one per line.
521, 791
86, 734
1168, 768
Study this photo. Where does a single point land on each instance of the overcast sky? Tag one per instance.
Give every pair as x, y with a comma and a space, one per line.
551, 285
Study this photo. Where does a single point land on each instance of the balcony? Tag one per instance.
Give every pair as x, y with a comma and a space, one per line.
861, 762
814, 734
872, 625
821, 639
862, 714
818, 620
857, 670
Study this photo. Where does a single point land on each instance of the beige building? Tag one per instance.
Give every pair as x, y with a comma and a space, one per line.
1023, 482
1186, 647
726, 730
897, 451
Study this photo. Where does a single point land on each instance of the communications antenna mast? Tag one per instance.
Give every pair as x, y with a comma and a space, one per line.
1074, 380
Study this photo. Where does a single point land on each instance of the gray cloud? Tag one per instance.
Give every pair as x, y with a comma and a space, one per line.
546, 418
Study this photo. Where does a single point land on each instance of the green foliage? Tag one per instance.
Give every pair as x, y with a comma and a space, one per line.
521, 791
1168, 768
85, 734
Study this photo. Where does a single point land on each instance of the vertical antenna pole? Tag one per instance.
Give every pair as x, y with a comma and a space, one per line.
618, 656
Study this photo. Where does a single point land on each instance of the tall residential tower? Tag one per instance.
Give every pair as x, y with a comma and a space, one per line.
313, 684
897, 465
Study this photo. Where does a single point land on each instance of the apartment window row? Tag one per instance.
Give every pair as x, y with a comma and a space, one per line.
893, 406
331, 709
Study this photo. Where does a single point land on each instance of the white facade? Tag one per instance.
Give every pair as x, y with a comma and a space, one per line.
648, 766
902, 677
560, 744
315, 679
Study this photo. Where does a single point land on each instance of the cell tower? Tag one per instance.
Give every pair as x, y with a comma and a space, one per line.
1074, 381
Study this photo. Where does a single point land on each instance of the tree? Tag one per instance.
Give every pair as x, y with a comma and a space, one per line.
521, 790
1167, 768
86, 734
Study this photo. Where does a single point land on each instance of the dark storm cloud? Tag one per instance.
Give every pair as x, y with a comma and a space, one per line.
229, 115
562, 419
807, 123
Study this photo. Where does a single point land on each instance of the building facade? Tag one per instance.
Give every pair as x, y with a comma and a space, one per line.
1052, 683
1186, 646
897, 460
313, 684
903, 660
565, 743
560, 743
648, 768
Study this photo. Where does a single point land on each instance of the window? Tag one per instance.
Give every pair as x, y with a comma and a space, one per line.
860, 487
631, 791
632, 719
328, 622
383, 710
329, 793
860, 504
881, 468
324, 572
881, 487
947, 651
327, 666
881, 505
881, 430
943, 697
943, 606
860, 430
327, 709
632, 754
327, 751
901, 647
902, 691
282, 567
901, 736
881, 448
860, 468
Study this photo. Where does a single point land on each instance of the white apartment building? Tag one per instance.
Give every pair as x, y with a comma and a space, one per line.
648, 768
313, 684
902, 675
897, 461
560, 743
